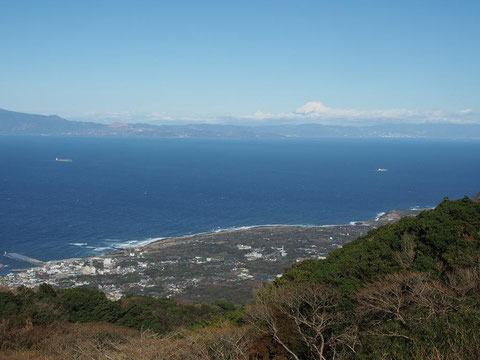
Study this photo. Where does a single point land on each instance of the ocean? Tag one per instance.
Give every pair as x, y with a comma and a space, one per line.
127, 192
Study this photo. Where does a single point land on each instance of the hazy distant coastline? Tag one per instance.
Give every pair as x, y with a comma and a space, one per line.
16, 123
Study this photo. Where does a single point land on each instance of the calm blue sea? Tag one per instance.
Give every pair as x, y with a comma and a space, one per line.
126, 191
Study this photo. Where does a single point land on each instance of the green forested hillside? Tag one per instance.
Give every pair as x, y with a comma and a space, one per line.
436, 241
409, 290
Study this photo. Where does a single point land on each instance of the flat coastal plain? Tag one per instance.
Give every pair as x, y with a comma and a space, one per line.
224, 265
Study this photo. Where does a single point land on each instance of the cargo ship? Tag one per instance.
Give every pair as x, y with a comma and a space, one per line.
63, 160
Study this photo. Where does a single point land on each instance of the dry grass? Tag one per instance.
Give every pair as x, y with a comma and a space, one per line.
108, 342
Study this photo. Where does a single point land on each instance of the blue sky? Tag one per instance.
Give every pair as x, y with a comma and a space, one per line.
242, 60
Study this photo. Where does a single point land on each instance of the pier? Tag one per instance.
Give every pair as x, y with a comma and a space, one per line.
24, 258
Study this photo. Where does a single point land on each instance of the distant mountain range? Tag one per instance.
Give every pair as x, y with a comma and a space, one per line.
16, 123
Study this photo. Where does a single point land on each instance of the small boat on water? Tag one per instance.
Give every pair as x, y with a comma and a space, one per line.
63, 160
382, 170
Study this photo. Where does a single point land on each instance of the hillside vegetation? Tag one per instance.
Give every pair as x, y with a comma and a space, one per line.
409, 290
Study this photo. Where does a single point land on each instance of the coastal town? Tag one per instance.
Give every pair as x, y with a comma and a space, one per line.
225, 265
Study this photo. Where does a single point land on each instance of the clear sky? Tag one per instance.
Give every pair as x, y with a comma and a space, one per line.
240, 59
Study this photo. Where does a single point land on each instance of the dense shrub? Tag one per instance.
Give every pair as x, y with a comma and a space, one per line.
409, 290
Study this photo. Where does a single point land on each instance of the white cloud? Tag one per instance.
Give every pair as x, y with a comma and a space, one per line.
260, 115
317, 112
465, 111
310, 112
316, 109
125, 116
